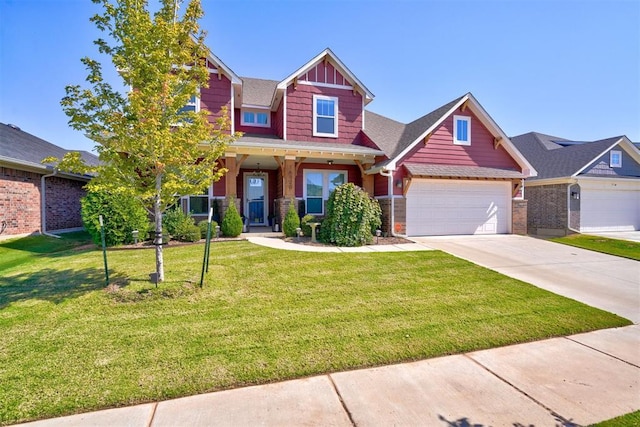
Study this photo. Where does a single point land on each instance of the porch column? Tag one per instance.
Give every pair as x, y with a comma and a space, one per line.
289, 177
367, 184
230, 164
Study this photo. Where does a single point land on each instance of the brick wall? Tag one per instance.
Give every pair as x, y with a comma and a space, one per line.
19, 201
519, 217
547, 209
63, 203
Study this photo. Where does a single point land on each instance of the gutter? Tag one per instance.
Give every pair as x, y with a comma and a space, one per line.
389, 175
43, 205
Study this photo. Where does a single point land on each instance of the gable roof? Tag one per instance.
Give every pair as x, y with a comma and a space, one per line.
257, 92
397, 140
23, 149
553, 160
336, 62
221, 65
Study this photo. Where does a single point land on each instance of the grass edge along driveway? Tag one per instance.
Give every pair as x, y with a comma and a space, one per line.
264, 315
617, 247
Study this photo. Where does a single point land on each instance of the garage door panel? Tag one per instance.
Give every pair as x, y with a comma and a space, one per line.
609, 210
442, 207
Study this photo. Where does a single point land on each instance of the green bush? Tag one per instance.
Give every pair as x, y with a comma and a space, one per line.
203, 228
174, 219
189, 233
304, 224
121, 215
151, 234
231, 223
352, 217
291, 220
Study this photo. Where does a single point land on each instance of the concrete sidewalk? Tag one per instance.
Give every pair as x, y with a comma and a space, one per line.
576, 380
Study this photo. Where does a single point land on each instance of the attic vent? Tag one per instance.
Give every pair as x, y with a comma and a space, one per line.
13, 126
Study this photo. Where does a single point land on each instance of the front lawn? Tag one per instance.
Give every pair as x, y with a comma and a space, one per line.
69, 345
623, 248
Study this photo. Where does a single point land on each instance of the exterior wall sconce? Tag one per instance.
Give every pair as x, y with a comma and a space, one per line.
575, 195
399, 183
330, 162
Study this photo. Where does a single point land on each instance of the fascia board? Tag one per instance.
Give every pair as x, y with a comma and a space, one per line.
235, 79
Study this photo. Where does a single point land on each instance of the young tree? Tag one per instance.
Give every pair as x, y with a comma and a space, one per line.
148, 143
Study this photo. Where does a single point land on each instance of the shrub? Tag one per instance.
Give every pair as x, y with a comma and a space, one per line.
304, 224
231, 223
121, 215
291, 220
189, 233
166, 237
203, 228
352, 217
174, 219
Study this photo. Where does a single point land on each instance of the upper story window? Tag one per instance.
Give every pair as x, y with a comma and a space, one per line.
462, 130
325, 116
193, 105
615, 159
256, 118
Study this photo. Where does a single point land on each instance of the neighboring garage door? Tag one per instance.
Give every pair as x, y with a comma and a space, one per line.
609, 208
443, 207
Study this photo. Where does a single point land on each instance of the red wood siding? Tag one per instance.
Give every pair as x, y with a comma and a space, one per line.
216, 96
322, 73
254, 129
300, 114
278, 120
441, 150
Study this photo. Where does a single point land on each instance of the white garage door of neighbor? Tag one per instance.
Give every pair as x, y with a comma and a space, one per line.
443, 207
609, 210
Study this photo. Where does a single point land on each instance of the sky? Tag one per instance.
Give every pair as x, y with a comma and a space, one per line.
565, 68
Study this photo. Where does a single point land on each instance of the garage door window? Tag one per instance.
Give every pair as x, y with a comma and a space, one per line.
318, 187
615, 159
461, 130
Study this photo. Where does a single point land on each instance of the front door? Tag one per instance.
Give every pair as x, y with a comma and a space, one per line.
255, 190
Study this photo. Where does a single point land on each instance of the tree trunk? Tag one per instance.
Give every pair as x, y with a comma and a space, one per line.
159, 238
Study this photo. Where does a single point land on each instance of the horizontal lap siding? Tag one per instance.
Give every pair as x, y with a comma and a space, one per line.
441, 150
216, 96
277, 124
300, 114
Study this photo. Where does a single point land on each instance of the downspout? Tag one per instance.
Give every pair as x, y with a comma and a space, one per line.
569, 207
43, 205
389, 175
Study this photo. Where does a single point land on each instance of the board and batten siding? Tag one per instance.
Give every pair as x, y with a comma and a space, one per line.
441, 150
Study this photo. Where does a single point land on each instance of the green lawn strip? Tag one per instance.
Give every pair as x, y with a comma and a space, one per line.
264, 315
627, 420
622, 248
14, 252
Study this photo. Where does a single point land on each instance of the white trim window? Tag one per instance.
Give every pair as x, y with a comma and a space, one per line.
318, 185
461, 130
256, 118
198, 204
615, 159
192, 105
325, 116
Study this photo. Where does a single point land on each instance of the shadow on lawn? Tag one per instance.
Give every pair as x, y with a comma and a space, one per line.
54, 286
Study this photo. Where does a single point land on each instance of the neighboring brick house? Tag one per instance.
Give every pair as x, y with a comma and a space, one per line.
26, 185
452, 171
581, 186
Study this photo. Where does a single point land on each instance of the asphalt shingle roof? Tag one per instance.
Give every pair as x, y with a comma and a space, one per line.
258, 91
22, 147
552, 160
461, 171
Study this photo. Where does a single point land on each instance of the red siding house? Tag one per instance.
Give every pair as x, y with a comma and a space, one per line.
451, 171
33, 197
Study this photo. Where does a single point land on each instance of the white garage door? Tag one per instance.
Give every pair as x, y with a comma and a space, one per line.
443, 207
616, 208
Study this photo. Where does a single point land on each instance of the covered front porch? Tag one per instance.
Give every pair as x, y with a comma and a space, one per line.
264, 175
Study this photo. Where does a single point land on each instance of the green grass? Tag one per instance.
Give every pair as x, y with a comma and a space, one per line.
628, 420
622, 248
68, 345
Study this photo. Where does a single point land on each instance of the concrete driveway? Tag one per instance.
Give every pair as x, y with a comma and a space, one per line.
604, 281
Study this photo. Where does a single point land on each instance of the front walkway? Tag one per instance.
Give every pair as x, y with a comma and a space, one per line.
570, 381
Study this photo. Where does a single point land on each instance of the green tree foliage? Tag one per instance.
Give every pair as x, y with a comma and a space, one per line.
121, 214
352, 217
149, 145
291, 220
231, 223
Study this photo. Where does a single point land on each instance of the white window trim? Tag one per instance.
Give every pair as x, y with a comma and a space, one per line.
456, 141
209, 196
315, 116
255, 111
611, 162
325, 185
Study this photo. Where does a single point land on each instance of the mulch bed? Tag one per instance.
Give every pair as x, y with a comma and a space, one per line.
380, 241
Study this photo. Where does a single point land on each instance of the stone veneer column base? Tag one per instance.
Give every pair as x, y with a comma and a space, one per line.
519, 217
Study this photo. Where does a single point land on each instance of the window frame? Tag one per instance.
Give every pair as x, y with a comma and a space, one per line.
208, 196
255, 112
335, 100
617, 164
456, 140
325, 186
